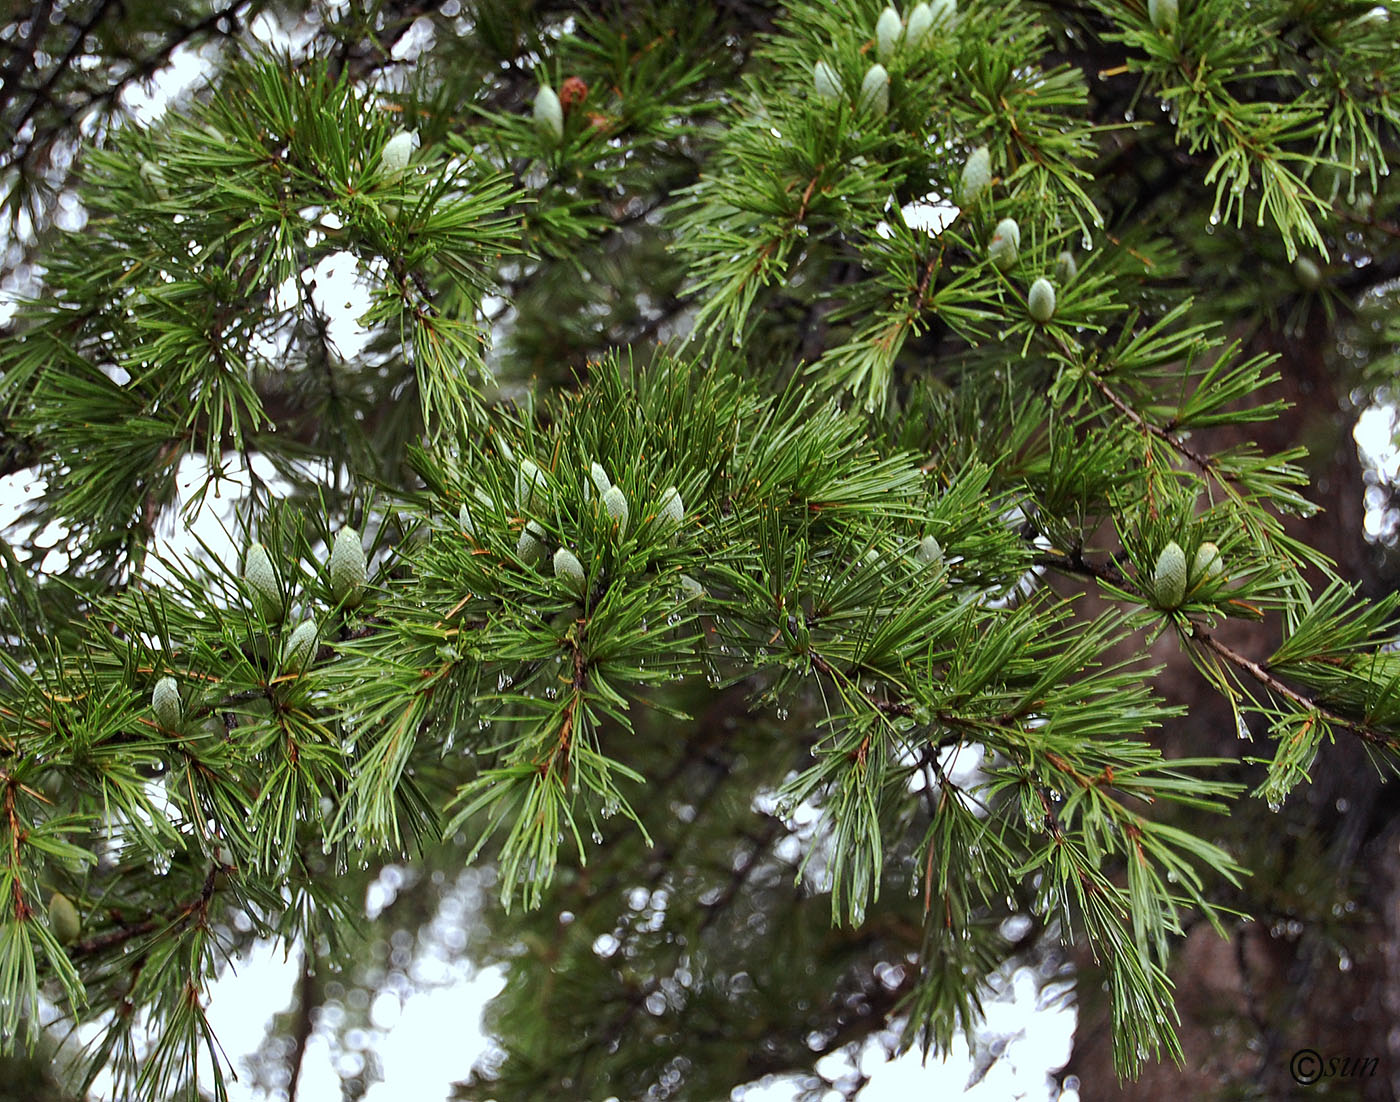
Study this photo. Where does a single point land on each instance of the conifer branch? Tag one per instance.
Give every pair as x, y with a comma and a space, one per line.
171, 920
1279, 688
1204, 462
845, 683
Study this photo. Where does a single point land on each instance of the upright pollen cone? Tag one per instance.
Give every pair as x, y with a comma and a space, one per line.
828, 84
918, 31
671, 514
616, 504
1169, 578
875, 91
529, 485
888, 31
549, 114
976, 175
63, 919
165, 702
1040, 302
301, 647
398, 151
569, 570
347, 567
262, 580
1005, 245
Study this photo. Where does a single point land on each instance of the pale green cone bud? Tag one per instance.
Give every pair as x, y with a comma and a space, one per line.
549, 114
1169, 577
300, 648
1005, 245
929, 553
1162, 13
918, 30
945, 14
63, 919
828, 84
691, 590
1040, 302
1065, 267
1307, 273
671, 513
598, 479
262, 580
154, 175
1208, 565
875, 91
976, 175
347, 566
570, 571
529, 485
888, 30
616, 504
398, 151
530, 545
165, 702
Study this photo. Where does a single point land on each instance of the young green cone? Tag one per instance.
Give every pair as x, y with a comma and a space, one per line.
976, 175
1005, 245
828, 84
918, 30
1162, 13
875, 91
262, 580
1040, 302
1169, 578
549, 114
347, 567
599, 480
1065, 267
300, 648
888, 31
63, 919
398, 151
1207, 565
671, 512
165, 702
928, 553
616, 504
530, 545
529, 485
1307, 273
569, 570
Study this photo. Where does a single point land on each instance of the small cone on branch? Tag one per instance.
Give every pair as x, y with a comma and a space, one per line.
347, 567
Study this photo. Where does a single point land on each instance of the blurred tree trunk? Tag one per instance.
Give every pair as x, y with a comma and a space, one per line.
1317, 965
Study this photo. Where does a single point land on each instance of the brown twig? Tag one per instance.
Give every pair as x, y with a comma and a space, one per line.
884, 707
176, 918
301, 1030
1278, 688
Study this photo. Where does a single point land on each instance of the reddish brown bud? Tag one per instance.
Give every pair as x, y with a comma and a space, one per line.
572, 91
